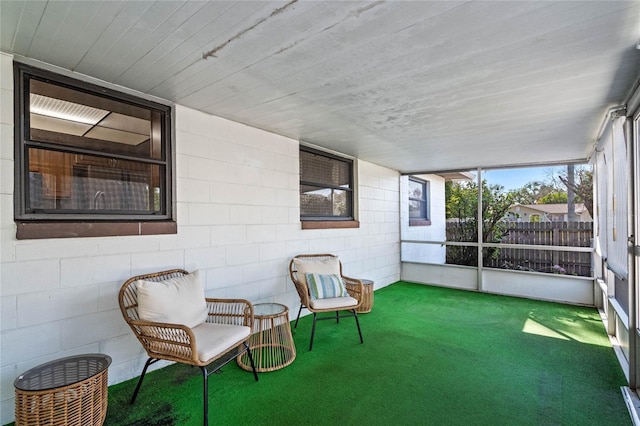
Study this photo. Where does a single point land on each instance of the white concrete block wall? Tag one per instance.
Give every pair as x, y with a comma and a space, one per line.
237, 204
416, 252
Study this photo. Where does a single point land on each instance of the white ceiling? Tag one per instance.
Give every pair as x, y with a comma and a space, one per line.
414, 86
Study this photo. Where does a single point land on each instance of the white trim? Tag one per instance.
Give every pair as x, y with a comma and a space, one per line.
504, 245
327, 150
624, 318
633, 404
88, 79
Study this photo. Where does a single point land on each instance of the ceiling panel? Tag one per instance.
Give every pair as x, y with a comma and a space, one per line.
414, 86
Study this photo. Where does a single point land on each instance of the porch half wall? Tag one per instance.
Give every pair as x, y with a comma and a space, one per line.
238, 217
555, 288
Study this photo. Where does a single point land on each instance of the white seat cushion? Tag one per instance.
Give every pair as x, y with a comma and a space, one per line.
333, 302
214, 339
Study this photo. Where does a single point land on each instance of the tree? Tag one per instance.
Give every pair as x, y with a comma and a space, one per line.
535, 191
582, 186
553, 198
555, 189
462, 218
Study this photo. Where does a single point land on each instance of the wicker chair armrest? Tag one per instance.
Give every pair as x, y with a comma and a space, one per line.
174, 342
354, 287
303, 291
230, 311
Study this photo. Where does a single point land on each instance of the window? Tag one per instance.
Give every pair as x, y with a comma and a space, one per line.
418, 202
326, 189
88, 154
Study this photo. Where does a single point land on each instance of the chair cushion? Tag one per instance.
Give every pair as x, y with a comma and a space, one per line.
176, 301
328, 266
213, 340
334, 302
324, 286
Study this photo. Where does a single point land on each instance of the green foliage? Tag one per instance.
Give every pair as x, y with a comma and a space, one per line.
532, 192
462, 209
462, 215
553, 198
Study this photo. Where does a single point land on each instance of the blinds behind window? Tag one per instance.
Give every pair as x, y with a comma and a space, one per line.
323, 171
601, 196
613, 175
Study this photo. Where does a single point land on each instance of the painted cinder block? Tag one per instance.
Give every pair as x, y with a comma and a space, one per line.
93, 328
229, 234
224, 277
48, 306
205, 258
237, 207
9, 313
261, 233
6, 106
94, 270
192, 190
192, 144
30, 342
228, 193
6, 141
247, 215
263, 270
142, 263
210, 214
242, 254
23, 277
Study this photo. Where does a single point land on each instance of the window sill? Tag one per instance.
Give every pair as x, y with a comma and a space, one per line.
330, 224
44, 230
420, 222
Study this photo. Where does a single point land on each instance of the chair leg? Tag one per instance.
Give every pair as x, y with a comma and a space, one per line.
337, 317
144, 371
355, 315
205, 379
253, 367
313, 331
205, 382
298, 317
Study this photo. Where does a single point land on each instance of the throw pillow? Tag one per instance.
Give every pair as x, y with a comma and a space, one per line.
327, 266
178, 300
323, 286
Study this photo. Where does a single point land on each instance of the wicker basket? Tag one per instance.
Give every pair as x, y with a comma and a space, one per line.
69, 391
367, 297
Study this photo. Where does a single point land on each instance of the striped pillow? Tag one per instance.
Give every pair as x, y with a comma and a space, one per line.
326, 286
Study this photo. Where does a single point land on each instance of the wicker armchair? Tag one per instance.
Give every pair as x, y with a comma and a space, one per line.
203, 346
315, 306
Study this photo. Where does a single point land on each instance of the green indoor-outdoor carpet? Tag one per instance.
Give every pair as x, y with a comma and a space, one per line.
431, 356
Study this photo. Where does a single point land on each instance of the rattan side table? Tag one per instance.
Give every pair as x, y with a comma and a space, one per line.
271, 344
68, 391
367, 297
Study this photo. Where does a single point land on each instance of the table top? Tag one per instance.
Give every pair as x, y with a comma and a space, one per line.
62, 372
366, 282
267, 309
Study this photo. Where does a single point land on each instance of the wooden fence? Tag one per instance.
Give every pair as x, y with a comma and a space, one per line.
567, 234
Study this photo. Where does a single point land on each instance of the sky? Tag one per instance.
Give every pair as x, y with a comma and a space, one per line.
517, 178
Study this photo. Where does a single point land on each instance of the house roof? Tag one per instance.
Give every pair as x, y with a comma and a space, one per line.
553, 208
453, 176
414, 86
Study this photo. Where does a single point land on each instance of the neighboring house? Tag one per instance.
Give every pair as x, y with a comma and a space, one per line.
546, 213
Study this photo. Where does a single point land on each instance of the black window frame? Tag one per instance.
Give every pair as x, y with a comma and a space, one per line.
23, 75
425, 210
348, 190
